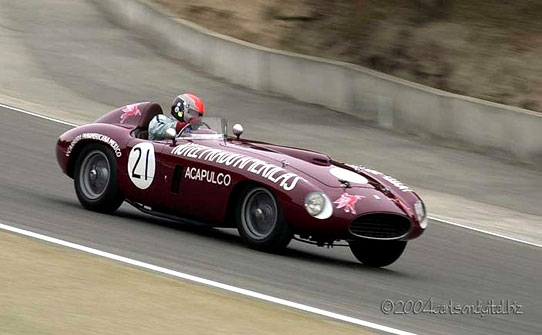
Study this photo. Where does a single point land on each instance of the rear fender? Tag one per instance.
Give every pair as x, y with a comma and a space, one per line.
70, 144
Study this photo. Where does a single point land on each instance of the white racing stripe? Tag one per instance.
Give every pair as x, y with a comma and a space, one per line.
204, 281
430, 217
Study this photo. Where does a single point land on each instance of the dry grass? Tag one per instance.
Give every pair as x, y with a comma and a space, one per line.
483, 48
46, 289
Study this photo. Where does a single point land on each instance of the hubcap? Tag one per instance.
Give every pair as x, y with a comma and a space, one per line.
94, 175
259, 213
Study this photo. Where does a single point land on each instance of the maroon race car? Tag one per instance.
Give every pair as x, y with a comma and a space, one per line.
270, 193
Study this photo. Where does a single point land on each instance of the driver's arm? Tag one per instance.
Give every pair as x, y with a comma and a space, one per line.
158, 126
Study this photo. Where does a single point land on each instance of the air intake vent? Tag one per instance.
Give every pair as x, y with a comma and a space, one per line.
380, 226
321, 161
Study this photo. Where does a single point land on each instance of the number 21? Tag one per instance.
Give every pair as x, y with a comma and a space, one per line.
134, 174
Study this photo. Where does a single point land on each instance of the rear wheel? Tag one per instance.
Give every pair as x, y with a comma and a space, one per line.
260, 220
377, 253
95, 179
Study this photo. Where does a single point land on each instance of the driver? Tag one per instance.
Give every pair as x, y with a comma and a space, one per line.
184, 108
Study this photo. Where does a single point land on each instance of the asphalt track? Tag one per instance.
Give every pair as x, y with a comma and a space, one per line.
446, 263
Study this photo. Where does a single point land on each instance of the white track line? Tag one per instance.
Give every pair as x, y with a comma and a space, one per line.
37, 115
487, 232
204, 281
430, 217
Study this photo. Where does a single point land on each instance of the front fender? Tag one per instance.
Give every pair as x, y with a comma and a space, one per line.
347, 205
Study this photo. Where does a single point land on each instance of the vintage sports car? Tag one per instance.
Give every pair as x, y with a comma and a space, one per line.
270, 193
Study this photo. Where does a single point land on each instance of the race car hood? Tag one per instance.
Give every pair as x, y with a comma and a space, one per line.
320, 167
310, 164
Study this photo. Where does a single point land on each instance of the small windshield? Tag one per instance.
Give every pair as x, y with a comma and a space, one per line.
206, 128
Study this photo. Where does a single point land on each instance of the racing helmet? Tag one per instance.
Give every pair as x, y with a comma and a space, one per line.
187, 106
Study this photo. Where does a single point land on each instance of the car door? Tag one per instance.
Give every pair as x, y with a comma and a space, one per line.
195, 188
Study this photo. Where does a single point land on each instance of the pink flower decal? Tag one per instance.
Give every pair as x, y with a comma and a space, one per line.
129, 111
347, 201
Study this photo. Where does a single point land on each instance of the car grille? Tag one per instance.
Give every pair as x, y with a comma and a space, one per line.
380, 226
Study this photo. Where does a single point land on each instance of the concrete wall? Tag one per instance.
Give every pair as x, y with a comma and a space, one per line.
390, 102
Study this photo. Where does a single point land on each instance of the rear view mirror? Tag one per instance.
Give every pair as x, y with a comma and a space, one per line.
237, 130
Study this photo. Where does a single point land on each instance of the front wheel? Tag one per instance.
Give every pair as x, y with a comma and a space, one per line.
95, 179
377, 253
260, 221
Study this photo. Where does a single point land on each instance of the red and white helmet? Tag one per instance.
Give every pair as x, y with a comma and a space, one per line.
187, 106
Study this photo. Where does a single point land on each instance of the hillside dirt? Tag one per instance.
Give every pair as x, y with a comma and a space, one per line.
489, 49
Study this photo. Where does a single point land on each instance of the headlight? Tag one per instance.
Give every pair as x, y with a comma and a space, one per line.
314, 203
318, 205
421, 214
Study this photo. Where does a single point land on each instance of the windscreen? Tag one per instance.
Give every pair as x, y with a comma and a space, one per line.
206, 128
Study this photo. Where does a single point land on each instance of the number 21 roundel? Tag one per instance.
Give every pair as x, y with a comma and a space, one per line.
141, 165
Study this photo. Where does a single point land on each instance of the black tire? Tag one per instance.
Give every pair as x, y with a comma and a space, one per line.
376, 253
260, 220
95, 179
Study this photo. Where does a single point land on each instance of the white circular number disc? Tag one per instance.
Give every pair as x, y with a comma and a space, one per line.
141, 165
347, 175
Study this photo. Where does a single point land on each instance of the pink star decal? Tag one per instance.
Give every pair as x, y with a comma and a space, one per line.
347, 201
129, 111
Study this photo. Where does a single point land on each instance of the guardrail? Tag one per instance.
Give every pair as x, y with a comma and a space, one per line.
388, 101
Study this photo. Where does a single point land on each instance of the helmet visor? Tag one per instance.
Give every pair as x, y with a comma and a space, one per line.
190, 114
